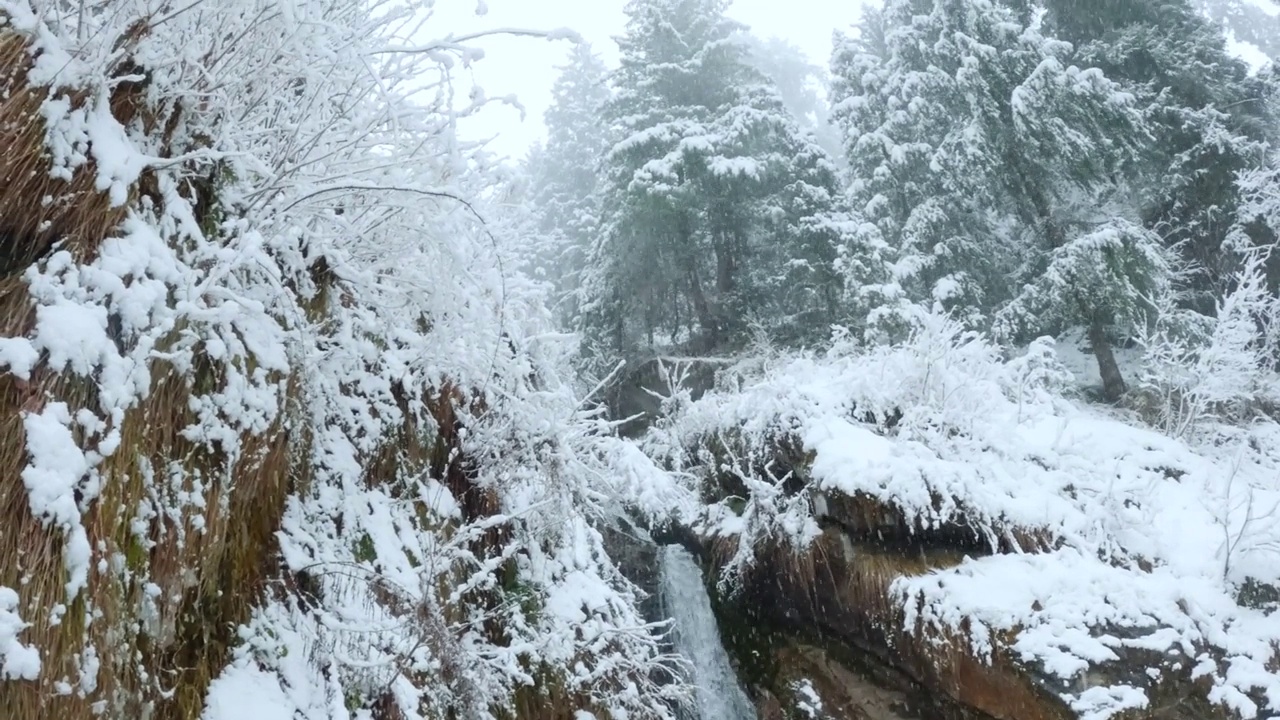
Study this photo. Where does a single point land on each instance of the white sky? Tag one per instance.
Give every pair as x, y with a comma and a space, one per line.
526, 67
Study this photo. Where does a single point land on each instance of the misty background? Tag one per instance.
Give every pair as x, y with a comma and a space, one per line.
526, 67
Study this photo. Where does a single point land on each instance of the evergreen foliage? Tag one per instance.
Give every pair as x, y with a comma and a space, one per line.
1210, 118
716, 207
986, 160
563, 175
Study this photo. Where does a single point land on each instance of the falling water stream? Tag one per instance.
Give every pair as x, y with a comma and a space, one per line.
696, 637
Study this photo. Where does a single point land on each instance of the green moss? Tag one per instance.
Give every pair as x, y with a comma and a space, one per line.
206, 375
756, 645
523, 595
210, 211
135, 554
73, 620
353, 698
363, 550
546, 697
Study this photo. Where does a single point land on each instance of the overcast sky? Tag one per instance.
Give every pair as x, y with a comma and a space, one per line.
526, 67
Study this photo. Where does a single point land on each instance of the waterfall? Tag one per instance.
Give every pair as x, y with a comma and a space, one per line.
696, 637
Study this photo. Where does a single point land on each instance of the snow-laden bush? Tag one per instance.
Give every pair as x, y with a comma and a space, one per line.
293, 414
944, 387
1198, 369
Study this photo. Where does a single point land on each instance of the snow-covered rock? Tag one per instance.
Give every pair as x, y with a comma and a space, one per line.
1002, 545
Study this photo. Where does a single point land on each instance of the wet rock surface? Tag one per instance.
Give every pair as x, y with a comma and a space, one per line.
828, 617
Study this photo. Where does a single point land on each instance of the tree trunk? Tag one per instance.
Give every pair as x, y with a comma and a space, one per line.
724, 267
710, 330
619, 328
1113, 386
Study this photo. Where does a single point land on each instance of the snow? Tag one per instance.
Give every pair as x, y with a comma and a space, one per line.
247, 692
1148, 537
647, 488
564, 33
807, 699
17, 661
1099, 703
19, 356
74, 335
56, 473
735, 166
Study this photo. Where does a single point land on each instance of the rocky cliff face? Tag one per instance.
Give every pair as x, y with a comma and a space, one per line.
831, 617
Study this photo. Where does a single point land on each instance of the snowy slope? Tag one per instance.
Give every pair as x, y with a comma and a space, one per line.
1108, 542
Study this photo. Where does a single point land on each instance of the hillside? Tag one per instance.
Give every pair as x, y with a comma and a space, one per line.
283, 436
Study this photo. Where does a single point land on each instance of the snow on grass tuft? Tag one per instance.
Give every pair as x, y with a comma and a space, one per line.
17, 661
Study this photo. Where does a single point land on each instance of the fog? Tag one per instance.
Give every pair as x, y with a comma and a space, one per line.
526, 67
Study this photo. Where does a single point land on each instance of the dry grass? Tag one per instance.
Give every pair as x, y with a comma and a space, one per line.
37, 210
430, 444
210, 565
548, 699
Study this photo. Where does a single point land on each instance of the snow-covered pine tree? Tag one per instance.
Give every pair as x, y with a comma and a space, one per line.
563, 175
1107, 280
713, 196
1210, 118
1259, 215
977, 152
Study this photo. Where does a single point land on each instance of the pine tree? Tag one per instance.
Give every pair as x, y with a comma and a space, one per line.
1210, 118
985, 160
714, 199
563, 175
1259, 217
1108, 279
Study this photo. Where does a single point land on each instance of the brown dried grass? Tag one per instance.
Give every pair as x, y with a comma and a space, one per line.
36, 209
431, 444
209, 574
548, 699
